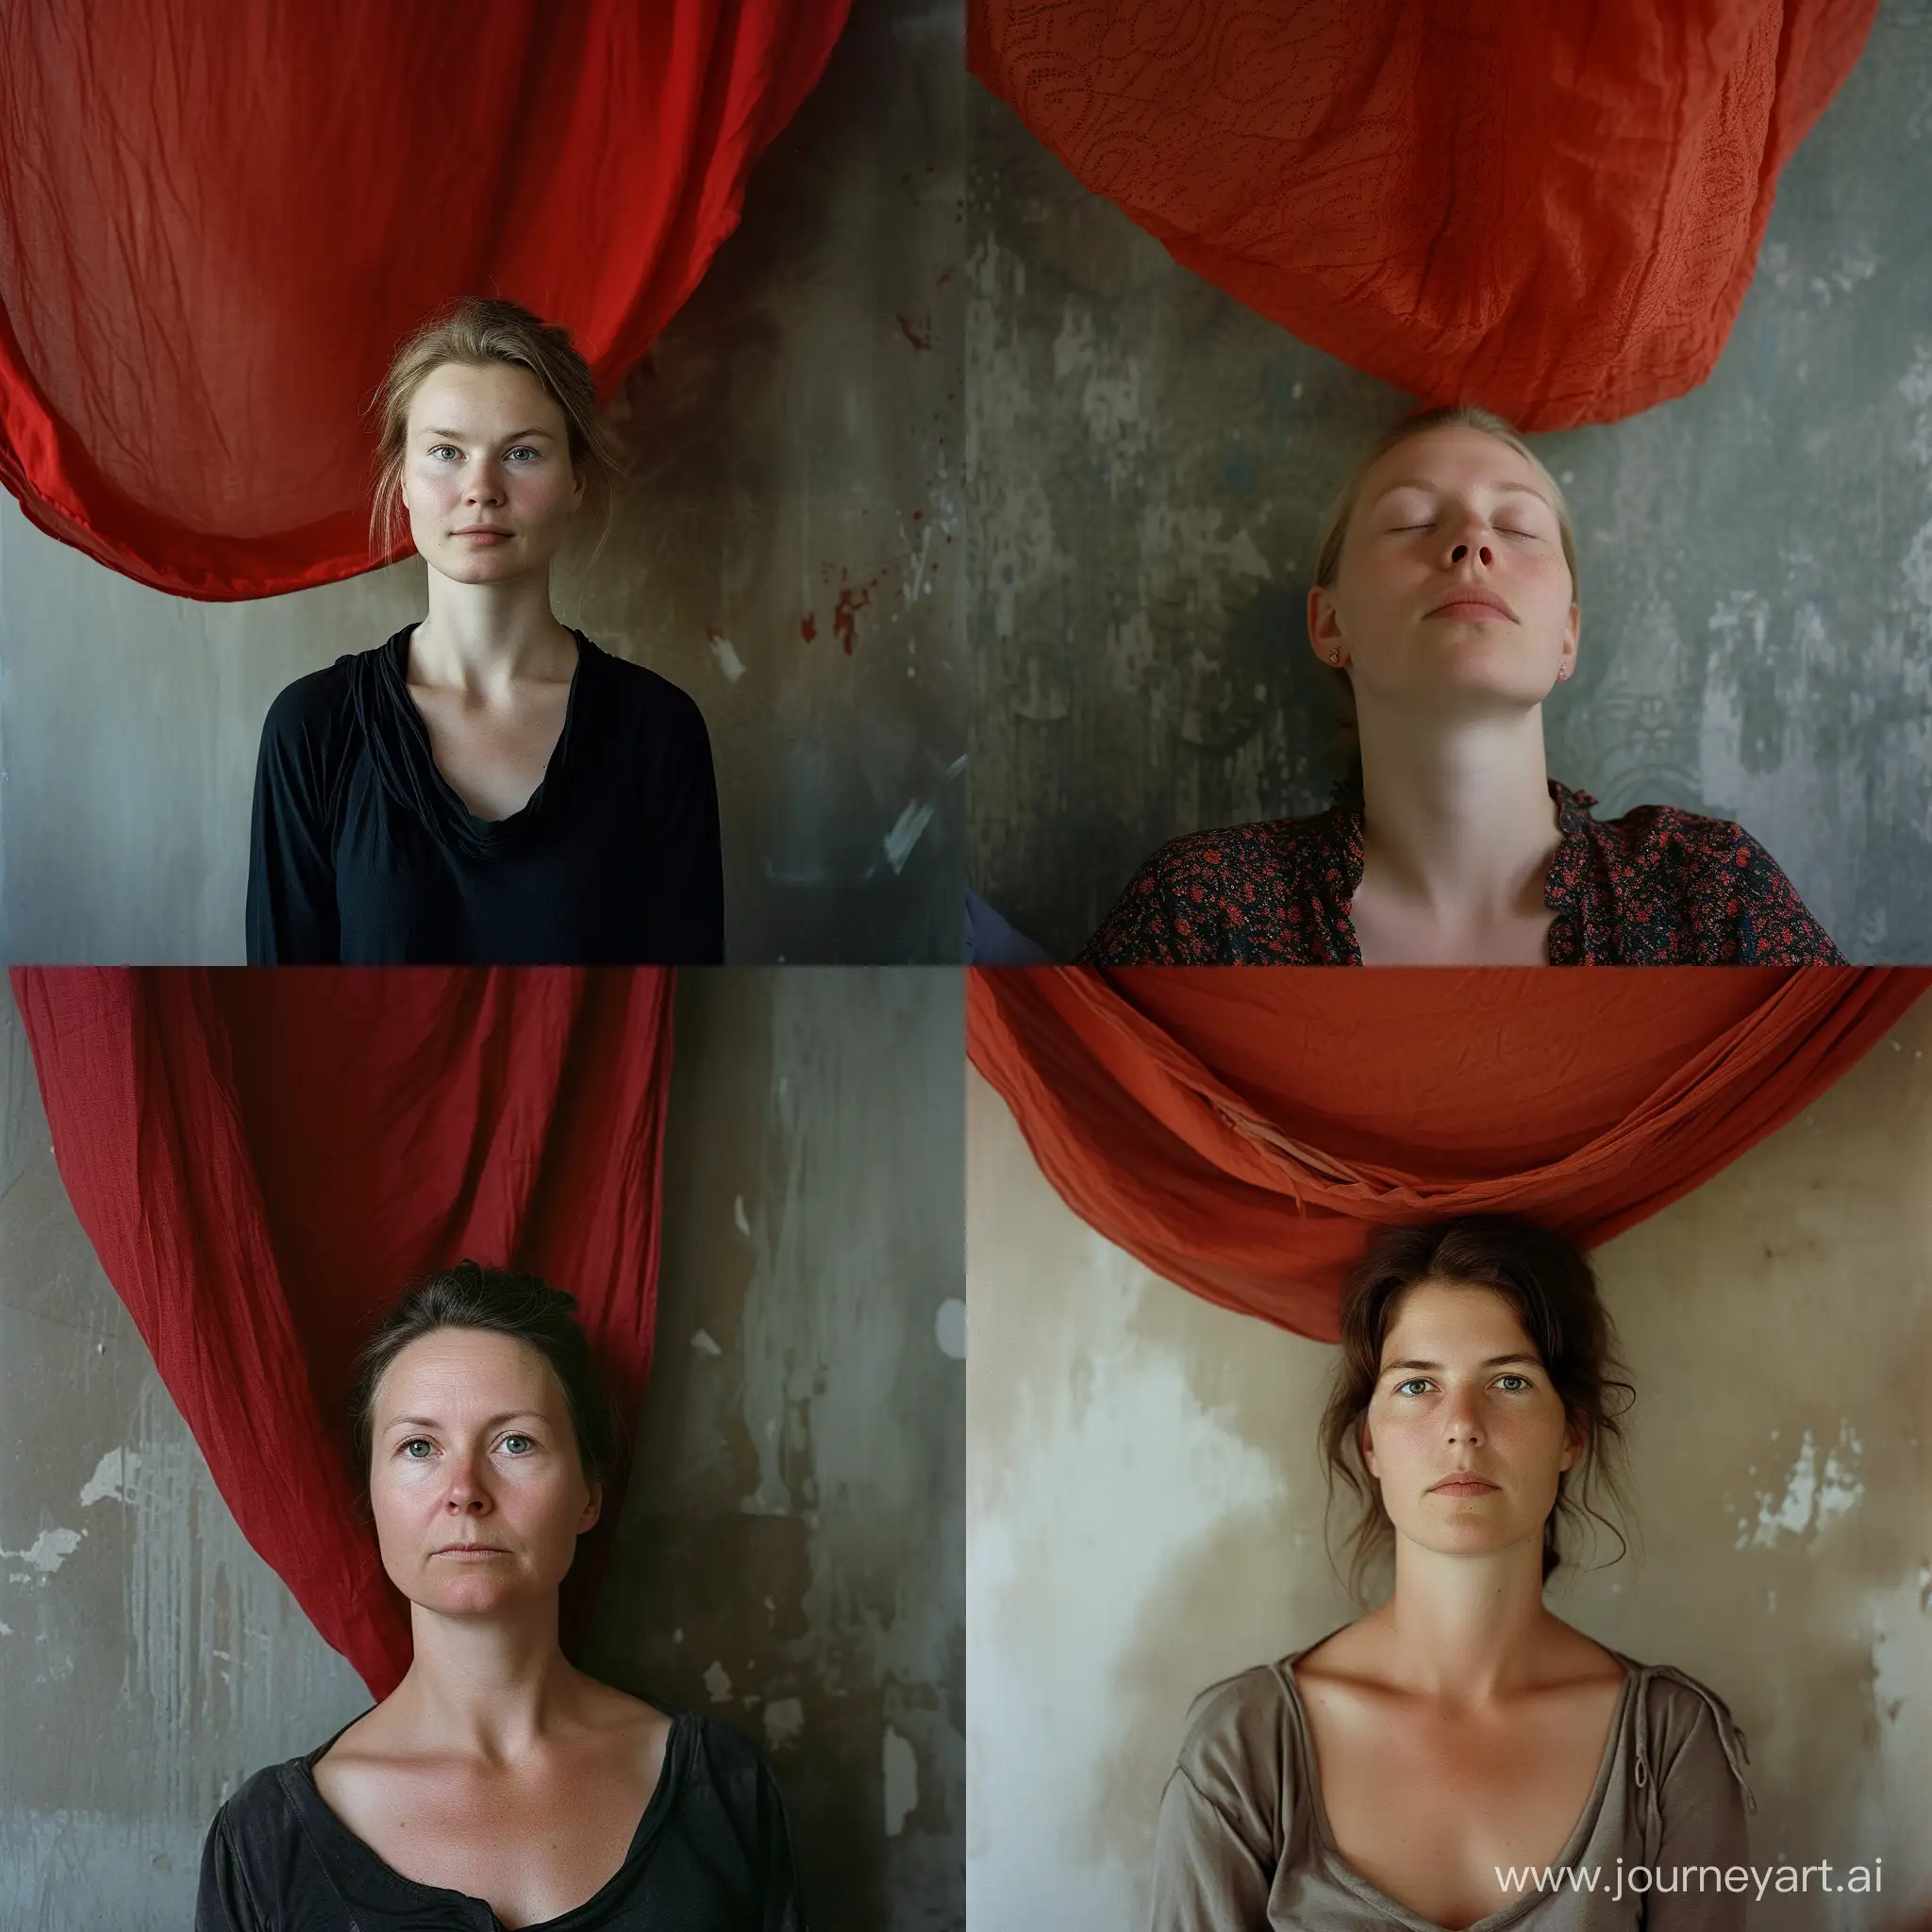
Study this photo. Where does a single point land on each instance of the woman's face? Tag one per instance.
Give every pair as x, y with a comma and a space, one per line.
1465, 1431
1452, 589
486, 473
478, 1492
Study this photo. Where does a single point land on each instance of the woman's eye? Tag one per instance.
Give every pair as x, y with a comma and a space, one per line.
1414, 1382
442, 451
518, 1445
414, 1443
1513, 1383
523, 449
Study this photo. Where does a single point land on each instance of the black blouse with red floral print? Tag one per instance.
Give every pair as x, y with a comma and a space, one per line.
1656, 887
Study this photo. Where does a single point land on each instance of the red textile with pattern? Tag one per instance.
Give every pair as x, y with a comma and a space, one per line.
1656, 887
264, 1161
217, 221
1242, 1132
1552, 210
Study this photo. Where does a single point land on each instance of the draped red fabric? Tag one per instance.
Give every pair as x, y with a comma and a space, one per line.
1551, 210
217, 221
262, 1161
1241, 1131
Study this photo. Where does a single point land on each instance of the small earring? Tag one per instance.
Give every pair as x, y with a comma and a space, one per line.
1335, 657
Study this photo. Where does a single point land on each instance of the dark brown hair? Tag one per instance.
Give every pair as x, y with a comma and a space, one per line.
1552, 1289
477, 331
497, 1302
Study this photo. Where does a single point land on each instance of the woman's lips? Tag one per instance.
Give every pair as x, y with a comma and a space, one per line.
1463, 1486
469, 1550
1473, 610
484, 537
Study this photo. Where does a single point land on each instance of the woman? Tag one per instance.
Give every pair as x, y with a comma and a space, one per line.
1446, 595
497, 1785
1461, 1757
488, 785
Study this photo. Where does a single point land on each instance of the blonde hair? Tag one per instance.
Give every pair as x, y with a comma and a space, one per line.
1334, 527
477, 331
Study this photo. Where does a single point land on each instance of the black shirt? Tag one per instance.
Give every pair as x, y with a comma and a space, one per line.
711, 1855
362, 854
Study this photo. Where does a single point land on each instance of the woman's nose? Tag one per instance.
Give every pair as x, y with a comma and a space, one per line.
1469, 537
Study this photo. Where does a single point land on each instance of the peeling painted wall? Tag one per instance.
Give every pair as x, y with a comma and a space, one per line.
1144, 1504
793, 1548
786, 549
1147, 461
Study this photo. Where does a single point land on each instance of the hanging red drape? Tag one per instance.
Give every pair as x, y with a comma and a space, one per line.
1242, 1131
263, 1161
217, 221
1552, 210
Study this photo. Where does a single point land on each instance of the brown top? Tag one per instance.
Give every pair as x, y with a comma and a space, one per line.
1244, 1846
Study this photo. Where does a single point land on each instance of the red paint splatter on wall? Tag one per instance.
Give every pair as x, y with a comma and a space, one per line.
808, 627
918, 338
852, 600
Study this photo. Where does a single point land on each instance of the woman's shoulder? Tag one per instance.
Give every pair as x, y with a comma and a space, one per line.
1700, 882
1236, 1730
1684, 1729
320, 703
625, 682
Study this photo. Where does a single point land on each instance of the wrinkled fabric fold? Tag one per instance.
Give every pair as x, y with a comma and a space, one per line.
263, 1161
1555, 211
1241, 1130
216, 224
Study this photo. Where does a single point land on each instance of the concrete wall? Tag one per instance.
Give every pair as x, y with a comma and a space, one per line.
796, 437
792, 1549
1147, 462
1144, 1504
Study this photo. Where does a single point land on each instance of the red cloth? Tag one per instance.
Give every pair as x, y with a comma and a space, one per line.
217, 221
1552, 210
1240, 1130
264, 1161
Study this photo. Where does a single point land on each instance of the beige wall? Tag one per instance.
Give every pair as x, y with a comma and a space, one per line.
1144, 1503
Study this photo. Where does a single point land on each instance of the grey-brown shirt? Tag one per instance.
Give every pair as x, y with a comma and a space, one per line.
1244, 1846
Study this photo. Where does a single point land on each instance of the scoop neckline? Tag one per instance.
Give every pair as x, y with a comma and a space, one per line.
487, 830
345, 1846
1408, 1919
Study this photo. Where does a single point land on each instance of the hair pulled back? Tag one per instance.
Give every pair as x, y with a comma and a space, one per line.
1550, 1284
476, 332
494, 1301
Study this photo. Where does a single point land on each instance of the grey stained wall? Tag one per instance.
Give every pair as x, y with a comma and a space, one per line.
793, 1547
1146, 461
796, 441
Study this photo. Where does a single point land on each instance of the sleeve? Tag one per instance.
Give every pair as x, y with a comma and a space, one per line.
1150, 926
784, 1905
1769, 925
292, 915
1702, 1797
683, 816
222, 1903
1218, 1841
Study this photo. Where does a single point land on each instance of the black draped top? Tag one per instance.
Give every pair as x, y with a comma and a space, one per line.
711, 1854
361, 853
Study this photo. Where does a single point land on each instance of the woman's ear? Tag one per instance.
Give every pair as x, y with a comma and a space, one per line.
1572, 633
1366, 1443
593, 1509
1576, 1439
1324, 626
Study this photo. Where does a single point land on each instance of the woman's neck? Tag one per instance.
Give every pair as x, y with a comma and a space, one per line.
1457, 821
483, 1688
1463, 1628
480, 638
